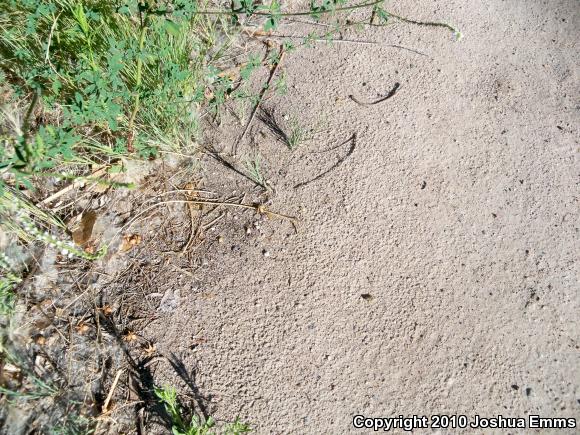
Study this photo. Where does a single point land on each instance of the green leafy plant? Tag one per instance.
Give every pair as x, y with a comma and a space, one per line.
251, 65
296, 135
36, 386
324, 7
105, 73
194, 426
274, 15
254, 168
8, 280
84, 83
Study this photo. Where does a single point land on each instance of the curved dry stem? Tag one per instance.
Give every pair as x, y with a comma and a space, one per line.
259, 208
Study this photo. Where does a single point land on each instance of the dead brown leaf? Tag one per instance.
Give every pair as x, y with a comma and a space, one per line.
129, 336
107, 310
82, 234
129, 242
82, 328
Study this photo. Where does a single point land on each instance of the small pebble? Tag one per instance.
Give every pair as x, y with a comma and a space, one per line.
266, 253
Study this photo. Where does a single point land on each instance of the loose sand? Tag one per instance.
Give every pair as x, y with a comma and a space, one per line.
435, 270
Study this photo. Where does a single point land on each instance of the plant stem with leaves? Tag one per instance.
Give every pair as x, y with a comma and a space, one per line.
138, 75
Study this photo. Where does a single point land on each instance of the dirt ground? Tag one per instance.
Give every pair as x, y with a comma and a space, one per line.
434, 270
433, 265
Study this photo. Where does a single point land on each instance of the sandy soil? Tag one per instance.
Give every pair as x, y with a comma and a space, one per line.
435, 269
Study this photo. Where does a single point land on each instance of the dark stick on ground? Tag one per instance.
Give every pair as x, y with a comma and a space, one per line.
219, 158
268, 117
189, 379
141, 376
412, 50
260, 98
352, 141
333, 148
380, 100
348, 41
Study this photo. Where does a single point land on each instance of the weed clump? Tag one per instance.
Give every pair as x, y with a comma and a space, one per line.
88, 84
100, 80
195, 425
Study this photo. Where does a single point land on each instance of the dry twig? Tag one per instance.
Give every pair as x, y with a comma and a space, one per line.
71, 186
380, 100
112, 390
260, 98
352, 141
259, 208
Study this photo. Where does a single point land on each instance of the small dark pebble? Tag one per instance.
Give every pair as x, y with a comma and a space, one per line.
560, 127
494, 215
528, 391
515, 387
366, 296
423, 185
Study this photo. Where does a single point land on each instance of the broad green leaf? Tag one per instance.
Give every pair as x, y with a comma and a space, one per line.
172, 28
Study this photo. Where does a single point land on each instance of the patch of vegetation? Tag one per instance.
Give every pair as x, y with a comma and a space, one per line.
297, 135
7, 281
254, 168
100, 81
193, 426
85, 84
22, 383
35, 387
